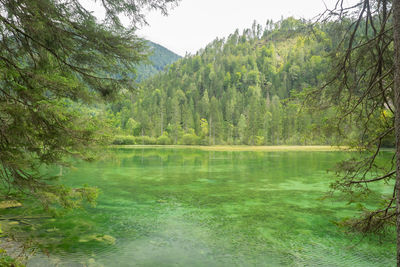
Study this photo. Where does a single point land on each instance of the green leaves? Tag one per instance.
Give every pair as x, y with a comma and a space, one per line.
55, 60
244, 78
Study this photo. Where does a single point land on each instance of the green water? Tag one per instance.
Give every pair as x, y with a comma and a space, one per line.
184, 207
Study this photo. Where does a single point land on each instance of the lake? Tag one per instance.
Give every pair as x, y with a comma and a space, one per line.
187, 207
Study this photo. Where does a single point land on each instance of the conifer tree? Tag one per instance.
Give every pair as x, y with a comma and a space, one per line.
55, 58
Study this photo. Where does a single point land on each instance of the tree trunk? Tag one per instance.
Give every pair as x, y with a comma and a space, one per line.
162, 121
396, 89
214, 136
210, 130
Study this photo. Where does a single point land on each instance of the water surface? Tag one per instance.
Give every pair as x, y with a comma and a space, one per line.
186, 207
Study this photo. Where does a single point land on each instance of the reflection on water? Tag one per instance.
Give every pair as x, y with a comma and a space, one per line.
183, 207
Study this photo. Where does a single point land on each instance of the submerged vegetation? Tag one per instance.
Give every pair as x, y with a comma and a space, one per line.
187, 206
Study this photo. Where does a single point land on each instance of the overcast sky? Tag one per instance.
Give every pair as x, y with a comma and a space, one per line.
195, 23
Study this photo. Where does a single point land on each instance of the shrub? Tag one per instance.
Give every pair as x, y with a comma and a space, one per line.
145, 140
190, 139
204, 141
259, 140
164, 140
123, 140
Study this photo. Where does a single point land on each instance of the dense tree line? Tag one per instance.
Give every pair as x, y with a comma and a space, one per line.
243, 89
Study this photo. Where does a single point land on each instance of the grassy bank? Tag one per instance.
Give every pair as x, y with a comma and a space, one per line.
240, 148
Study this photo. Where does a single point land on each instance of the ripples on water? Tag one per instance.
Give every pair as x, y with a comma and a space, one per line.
169, 207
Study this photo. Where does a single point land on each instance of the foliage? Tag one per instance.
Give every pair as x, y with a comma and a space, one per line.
7, 261
145, 140
164, 139
123, 140
190, 139
361, 87
55, 60
244, 89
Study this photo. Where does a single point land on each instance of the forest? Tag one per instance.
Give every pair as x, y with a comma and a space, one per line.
246, 89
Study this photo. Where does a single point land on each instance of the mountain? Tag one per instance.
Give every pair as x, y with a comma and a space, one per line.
159, 58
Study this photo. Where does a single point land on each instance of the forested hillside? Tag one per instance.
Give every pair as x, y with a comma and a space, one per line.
158, 59
240, 90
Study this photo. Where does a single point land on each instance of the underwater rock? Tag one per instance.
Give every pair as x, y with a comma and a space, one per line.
92, 263
99, 238
109, 239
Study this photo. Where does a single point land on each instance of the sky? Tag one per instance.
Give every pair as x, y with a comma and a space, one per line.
194, 23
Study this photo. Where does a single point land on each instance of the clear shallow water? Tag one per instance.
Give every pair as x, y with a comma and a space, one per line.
184, 207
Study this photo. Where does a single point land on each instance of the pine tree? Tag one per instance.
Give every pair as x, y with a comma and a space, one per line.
54, 57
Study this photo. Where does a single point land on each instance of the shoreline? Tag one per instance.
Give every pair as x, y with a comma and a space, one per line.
241, 148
